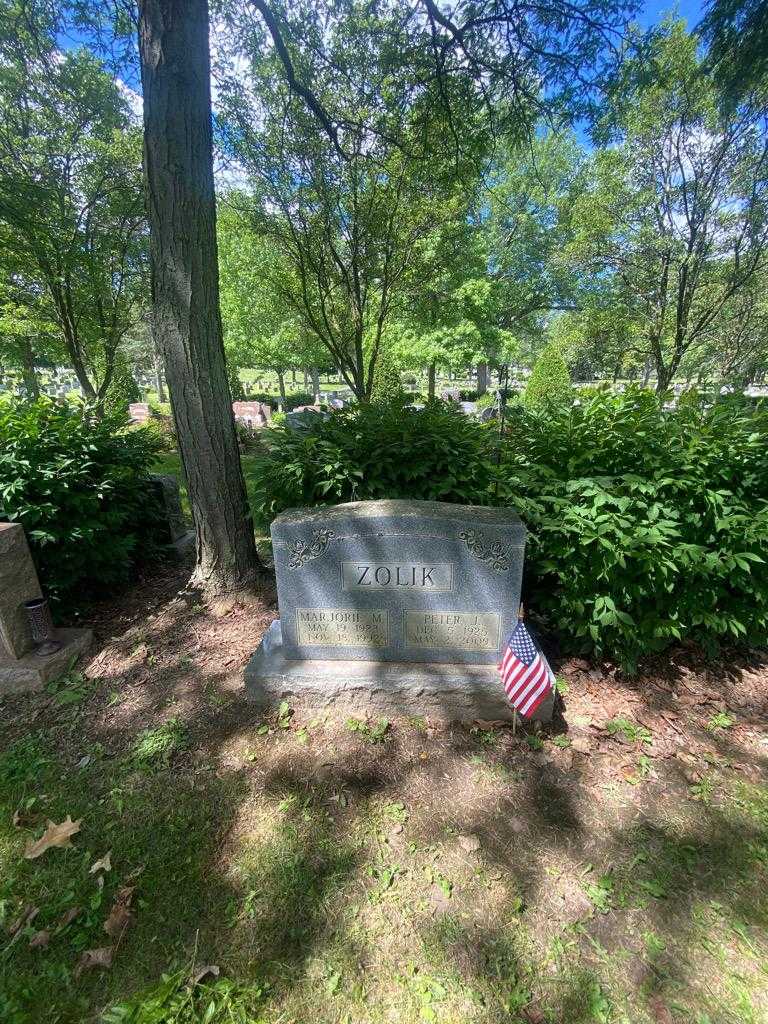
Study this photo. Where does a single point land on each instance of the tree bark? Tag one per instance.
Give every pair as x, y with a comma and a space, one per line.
181, 204
431, 380
482, 379
28, 374
281, 385
158, 367
315, 384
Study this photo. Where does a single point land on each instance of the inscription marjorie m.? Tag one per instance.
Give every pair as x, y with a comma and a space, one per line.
343, 627
435, 577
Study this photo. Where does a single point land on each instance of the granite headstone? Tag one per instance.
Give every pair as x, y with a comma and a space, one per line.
394, 605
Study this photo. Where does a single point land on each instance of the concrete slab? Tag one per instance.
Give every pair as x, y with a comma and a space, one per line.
31, 673
452, 692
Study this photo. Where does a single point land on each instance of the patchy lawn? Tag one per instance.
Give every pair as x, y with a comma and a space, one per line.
338, 870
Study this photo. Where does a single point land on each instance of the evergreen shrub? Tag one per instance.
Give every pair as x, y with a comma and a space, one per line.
387, 387
550, 384
78, 485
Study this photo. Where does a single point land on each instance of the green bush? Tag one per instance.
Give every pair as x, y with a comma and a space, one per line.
647, 526
78, 486
300, 398
162, 432
236, 389
387, 387
549, 385
372, 451
123, 389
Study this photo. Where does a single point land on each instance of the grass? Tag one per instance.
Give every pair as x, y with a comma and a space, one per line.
348, 899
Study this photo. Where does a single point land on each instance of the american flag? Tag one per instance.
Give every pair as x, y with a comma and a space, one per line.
525, 672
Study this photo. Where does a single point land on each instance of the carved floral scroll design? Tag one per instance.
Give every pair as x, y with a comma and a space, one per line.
494, 553
301, 552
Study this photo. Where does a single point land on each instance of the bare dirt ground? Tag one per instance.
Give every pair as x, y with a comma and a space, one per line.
611, 868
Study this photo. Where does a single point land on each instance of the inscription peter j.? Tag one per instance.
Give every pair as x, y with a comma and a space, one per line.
463, 631
435, 577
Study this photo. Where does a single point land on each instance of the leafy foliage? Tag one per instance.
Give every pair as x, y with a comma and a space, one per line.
550, 383
78, 486
372, 451
387, 387
648, 526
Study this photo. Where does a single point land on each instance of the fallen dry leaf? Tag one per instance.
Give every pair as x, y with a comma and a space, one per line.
103, 864
469, 844
660, 1010
69, 916
204, 972
54, 835
101, 957
40, 939
28, 914
533, 1015
120, 915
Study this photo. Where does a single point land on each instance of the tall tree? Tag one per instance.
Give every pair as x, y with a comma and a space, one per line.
71, 200
261, 326
677, 210
178, 158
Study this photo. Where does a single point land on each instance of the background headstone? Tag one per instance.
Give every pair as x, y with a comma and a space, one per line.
18, 583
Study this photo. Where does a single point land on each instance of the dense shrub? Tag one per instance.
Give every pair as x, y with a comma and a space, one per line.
647, 526
549, 385
372, 451
123, 389
387, 387
299, 398
79, 488
236, 389
162, 431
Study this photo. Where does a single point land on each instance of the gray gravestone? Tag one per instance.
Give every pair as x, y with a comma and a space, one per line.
395, 606
398, 581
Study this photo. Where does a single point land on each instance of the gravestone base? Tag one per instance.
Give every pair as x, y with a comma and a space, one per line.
444, 691
31, 672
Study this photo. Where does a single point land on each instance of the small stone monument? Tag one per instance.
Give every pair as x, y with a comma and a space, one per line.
397, 606
21, 668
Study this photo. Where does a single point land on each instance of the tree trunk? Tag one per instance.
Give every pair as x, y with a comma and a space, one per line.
306, 381
281, 385
293, 377
158, 366
482, 378
431, 380
28, 374
181, 204
315, 384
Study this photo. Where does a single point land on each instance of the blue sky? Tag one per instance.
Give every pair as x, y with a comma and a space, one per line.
655, 10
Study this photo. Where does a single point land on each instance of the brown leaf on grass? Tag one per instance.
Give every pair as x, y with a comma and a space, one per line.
54, 835
40, 939
68, 917
659, 1010
210, 970
120, 915
534, 1015
103, 864
27, 916
101, 957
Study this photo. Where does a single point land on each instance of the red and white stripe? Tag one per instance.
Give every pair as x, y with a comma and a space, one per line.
526, 686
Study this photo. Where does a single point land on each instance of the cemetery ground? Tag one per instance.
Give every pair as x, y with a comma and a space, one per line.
333, 868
